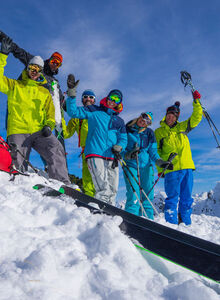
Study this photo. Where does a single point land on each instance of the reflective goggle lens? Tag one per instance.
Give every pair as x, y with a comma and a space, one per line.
146, 118
35, 68
55, 61
90, 97
115, 98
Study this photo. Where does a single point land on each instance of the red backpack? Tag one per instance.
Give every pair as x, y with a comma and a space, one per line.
5, 158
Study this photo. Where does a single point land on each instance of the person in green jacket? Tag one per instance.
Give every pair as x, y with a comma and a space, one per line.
172, 137
81, 127
31, 117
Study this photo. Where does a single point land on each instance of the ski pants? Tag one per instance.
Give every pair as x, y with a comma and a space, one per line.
147, 180
178, 187
105, 179
48, 147
88, 185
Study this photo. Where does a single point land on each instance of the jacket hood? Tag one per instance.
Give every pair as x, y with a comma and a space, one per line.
118, 108
42, 80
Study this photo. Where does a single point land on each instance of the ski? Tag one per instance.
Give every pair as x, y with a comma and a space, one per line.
198, 255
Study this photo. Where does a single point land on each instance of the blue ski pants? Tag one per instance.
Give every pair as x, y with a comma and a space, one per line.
178, 187
147, 180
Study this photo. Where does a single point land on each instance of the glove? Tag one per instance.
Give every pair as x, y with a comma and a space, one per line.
132, 154
196, 95
71, 84
46, 131
6, 45
164, 164
2, 35
116, 149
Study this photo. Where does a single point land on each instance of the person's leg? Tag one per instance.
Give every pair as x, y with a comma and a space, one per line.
53, 153
186, 200
112, 179
172, 189
147, 181
132, 204
23, 144
98, 173
88, 185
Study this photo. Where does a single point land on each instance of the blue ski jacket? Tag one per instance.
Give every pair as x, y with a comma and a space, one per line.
105, 128
146, 141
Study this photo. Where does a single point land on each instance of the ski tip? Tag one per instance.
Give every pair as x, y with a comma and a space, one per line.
61, 190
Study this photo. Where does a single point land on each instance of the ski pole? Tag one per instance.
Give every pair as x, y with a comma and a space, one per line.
133, 189
142, 190
14, 147
186, 80
138, 174
171, 157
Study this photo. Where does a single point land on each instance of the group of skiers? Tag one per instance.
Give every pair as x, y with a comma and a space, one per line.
36, 107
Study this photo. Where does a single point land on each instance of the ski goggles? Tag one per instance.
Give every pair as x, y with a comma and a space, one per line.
115, 98
35, 68
147, 118
89, 96
55, 61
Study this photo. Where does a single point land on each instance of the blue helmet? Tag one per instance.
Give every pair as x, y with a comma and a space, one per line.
116, 92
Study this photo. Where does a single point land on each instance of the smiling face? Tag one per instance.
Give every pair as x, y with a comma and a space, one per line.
170, 119
88, 100
34, 71
141, 122
111, 104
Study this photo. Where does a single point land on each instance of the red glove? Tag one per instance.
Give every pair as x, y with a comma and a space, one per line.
196, 95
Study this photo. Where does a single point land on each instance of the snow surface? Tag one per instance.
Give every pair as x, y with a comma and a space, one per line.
51, 250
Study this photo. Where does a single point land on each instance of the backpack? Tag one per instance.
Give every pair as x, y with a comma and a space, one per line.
5, 158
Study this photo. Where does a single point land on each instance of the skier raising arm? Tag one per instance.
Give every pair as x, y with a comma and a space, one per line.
172, 137
31, 116
106, 134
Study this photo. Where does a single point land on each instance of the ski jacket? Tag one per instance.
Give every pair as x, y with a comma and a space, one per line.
76, 125
30, 106
105, 128
146, 141
175, 139
52, 84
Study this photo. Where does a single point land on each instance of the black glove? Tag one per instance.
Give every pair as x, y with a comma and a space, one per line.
164, 164
72, 84
2, 35
46, 131
116, 149
132, 154
6, 45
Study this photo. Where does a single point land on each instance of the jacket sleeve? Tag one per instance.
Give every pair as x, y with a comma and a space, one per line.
122, 139
50, 112
153, 151
195, 118
76, 112
21, 54
6, 84
70, 128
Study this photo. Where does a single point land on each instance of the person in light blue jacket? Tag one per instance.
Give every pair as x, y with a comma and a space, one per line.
141, 145
106, 136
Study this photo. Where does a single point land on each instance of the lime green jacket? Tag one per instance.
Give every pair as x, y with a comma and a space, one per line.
76, 125
30, 106
175, 139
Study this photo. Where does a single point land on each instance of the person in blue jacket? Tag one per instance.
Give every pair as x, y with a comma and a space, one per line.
141, 145
106, 136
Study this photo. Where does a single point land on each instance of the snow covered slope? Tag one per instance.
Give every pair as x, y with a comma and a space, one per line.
50, 249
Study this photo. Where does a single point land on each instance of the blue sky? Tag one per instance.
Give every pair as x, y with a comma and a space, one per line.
139, 47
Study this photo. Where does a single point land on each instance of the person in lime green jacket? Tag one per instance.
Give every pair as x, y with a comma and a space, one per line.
31, 117
81, 127
172, 137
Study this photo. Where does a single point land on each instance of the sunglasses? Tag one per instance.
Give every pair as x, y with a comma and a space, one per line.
55, 61
115, 98
90, 97
147, 119
35, 68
